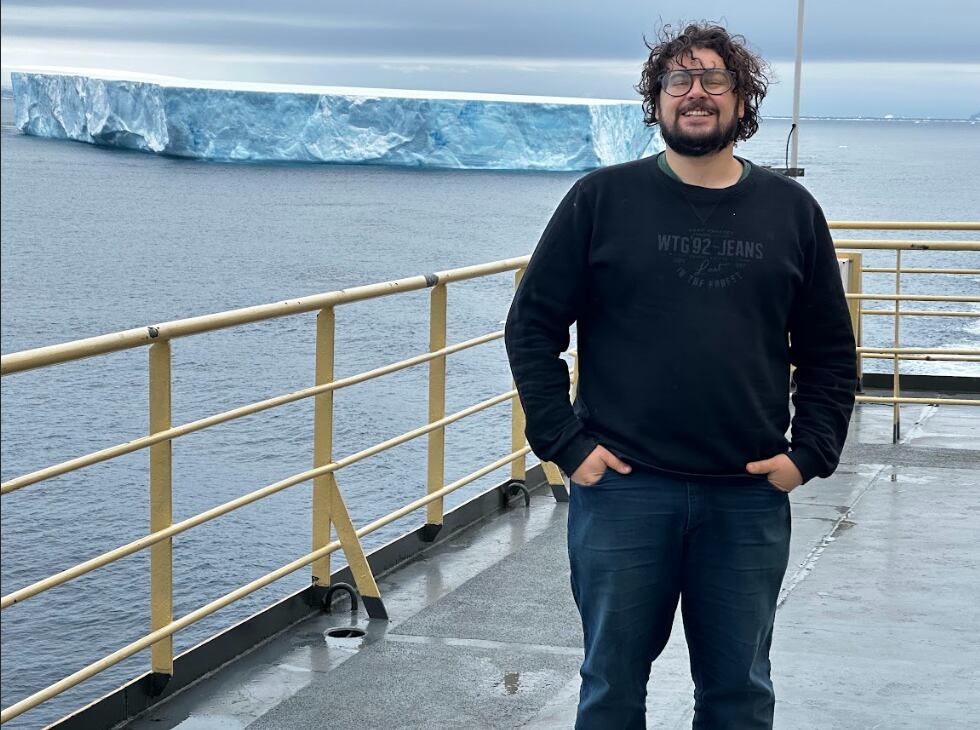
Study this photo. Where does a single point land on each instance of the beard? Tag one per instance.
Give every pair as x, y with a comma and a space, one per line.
702, 143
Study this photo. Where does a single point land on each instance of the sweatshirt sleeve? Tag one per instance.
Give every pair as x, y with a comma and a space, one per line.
547, 302
822, 349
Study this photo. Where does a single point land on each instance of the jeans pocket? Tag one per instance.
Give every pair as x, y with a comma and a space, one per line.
772, 486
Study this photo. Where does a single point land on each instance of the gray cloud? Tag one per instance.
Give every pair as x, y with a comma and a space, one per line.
836, 29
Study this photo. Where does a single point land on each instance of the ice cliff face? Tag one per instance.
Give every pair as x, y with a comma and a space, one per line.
331, 124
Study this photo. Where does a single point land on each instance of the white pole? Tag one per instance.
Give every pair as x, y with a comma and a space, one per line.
796, 85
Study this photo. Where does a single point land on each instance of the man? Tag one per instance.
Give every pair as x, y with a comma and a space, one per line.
696, 279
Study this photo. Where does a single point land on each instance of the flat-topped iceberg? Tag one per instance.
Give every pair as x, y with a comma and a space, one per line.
275, 122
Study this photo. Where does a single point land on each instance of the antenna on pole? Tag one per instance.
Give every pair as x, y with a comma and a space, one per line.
793, 169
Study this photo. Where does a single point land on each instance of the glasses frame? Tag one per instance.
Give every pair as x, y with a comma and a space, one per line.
690, 80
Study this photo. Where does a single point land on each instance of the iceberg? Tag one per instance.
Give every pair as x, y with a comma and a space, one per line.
230, 121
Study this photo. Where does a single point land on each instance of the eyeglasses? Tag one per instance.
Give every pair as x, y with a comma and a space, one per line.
714, 81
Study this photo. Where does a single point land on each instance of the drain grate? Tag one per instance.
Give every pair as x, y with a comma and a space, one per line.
345, 633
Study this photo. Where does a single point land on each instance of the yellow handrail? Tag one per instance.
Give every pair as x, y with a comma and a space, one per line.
205, 611
331, 509
240, 412
223, 509
916, 297
917, 270
905, 225
897, 353
907, 245
143, 336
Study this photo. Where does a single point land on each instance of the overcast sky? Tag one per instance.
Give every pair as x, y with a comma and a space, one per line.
861, 57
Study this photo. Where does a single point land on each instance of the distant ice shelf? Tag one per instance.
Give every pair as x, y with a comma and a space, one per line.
274, 122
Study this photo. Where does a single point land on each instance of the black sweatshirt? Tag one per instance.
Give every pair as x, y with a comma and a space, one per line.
685, 298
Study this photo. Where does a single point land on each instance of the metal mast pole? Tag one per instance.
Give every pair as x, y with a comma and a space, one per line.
796, 86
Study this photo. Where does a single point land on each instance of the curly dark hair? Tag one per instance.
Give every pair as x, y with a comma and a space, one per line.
751, 71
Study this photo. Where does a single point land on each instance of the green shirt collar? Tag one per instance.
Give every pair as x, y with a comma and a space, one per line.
665, 168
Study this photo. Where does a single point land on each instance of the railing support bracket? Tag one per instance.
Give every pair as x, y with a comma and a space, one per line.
327, 599
512, 489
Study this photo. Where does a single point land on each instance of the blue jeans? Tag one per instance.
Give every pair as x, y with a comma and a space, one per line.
636, 544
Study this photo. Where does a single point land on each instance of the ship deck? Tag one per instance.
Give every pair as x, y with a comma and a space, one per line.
878, 613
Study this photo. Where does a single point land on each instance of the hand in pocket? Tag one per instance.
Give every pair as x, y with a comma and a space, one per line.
780, 471
590, 471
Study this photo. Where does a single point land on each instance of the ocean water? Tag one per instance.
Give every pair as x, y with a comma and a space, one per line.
95, 241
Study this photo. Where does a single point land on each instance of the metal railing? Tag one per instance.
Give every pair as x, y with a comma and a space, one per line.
329, 509
848, 248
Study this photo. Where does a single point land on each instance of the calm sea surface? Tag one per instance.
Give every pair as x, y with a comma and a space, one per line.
96, 241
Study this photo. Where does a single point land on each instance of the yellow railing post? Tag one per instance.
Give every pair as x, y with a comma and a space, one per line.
323, 443
436, 470
161, 509
329, 510
855, 279
896, 407
518, 469
560, 485
575, 373
856, 285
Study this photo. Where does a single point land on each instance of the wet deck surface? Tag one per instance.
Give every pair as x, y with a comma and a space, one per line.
877, 624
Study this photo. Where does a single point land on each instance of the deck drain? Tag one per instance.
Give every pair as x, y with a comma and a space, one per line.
346, 632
